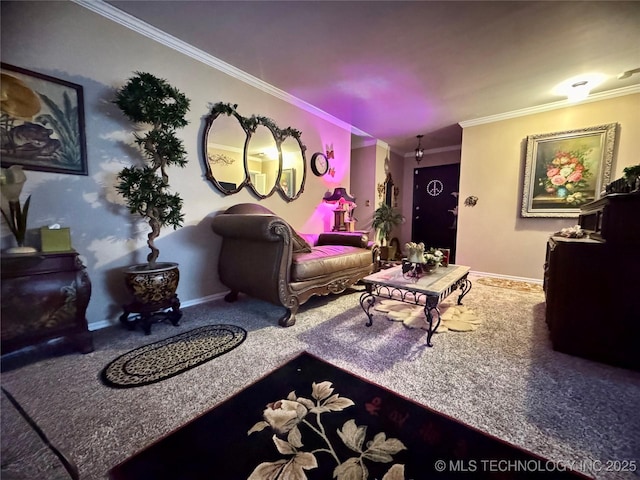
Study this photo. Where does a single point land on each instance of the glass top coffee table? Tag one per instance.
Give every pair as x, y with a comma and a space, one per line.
429, 289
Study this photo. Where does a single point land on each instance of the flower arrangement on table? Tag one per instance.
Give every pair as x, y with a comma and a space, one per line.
433, 257
567, 175
419, 260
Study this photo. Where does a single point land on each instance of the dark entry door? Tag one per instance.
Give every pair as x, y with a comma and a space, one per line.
435, 213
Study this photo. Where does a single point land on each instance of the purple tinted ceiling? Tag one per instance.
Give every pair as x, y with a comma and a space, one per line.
397, 69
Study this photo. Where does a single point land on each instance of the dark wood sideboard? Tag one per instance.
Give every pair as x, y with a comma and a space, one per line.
592, 284
44, 297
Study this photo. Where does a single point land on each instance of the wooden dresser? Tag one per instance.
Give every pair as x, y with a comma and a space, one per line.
44, 297
592, 285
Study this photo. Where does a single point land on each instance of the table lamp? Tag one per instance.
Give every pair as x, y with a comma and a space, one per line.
345, 203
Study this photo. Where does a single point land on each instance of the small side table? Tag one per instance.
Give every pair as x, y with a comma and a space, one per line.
44, 297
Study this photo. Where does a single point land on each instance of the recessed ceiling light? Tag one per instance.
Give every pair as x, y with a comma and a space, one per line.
577, 88
579, 91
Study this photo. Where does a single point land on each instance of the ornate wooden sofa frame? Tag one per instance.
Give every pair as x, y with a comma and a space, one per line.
263, 257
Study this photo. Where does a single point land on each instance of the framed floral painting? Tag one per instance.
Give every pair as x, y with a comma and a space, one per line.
42, 122
565, 170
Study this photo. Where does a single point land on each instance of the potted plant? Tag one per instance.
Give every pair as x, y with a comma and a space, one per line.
385, 218
150, 100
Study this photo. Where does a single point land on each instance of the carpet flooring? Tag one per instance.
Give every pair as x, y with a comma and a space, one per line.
503, 378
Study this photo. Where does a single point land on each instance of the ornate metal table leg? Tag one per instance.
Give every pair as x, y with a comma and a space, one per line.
430, 306
368, 298
465, 285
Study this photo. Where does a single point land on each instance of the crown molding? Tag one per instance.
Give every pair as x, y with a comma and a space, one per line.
132, 23
596, 97
367, 142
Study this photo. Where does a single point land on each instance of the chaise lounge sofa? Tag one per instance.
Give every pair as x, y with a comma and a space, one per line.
263, 257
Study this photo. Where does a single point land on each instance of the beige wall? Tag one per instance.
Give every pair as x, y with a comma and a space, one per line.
396, 168
67, 41
367, 171
363, 178
492, 237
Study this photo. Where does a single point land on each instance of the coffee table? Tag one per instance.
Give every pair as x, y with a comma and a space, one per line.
429, 290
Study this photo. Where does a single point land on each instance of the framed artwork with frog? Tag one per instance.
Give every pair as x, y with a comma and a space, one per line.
41, 122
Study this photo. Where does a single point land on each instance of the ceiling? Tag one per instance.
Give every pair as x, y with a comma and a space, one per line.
397, 69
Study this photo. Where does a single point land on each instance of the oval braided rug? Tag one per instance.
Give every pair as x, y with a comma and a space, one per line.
171, 356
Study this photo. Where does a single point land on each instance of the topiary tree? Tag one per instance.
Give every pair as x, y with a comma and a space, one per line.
151, 100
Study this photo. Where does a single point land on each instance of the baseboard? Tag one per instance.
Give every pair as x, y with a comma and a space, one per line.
208, 298
506, 277
189, 303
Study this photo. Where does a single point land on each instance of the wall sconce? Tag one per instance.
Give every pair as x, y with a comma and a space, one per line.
419, 149
470, 201
345, 203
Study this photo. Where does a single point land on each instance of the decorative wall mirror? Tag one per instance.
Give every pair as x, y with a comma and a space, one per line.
224, 150
252, 152
388, 190
263, 159
294, 167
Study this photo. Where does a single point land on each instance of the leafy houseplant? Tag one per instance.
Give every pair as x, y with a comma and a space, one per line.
150, 100
385, 218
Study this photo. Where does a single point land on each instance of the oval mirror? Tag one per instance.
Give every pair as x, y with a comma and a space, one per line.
223, 145
262, 161
294, 168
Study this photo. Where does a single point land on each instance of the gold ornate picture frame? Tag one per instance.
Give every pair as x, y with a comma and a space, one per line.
565, 170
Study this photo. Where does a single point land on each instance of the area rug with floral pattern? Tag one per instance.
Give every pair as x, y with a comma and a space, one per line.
309, 419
